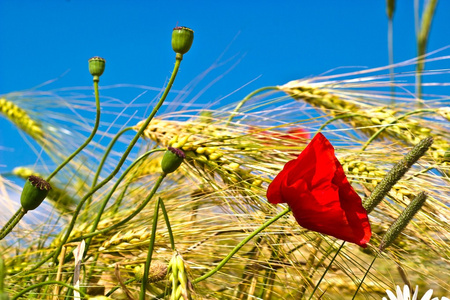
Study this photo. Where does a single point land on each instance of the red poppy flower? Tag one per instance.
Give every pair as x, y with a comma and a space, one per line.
316, 189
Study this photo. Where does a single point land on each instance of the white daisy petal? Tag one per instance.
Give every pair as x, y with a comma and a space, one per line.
391, 295
427, 295
406, 293
399, 293
416, 292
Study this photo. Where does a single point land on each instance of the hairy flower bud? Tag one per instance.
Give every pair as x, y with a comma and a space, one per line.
34, 192
182, 38
172, 159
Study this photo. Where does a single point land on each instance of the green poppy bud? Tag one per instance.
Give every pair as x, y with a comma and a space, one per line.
34, 192
172, 159
96, 66
182, 38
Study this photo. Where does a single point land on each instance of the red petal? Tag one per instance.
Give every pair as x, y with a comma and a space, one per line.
274, 190
319, 194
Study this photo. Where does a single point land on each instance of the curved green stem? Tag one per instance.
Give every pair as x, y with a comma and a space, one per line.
131, 216
102, 163
367, 272
89, 139
12, 223
376, 134
46, 283
240, 104
115, 207
150, 250
240, 245
121, 161
169, 228
118, 286
326, 270
111, 192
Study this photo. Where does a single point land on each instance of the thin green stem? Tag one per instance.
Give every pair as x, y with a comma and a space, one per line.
111, 192
367, 272
115, 207
118, 286
320, 262
37, 285
119, 164
326, 270
376, 134
248, 97
12, 223
169, 228
91, 269
89, 139
131, 216
102, 163
240, 245
150, 250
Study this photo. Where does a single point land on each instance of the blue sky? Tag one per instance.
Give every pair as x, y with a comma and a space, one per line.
262, 42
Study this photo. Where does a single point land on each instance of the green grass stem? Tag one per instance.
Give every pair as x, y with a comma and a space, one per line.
40, 284
150, 250
88, 140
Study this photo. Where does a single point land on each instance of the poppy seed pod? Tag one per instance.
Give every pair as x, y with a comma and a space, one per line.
172, 159
96, 66
34, 192
182, 38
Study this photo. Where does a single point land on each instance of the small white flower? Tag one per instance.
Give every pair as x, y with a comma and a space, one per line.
406, 295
